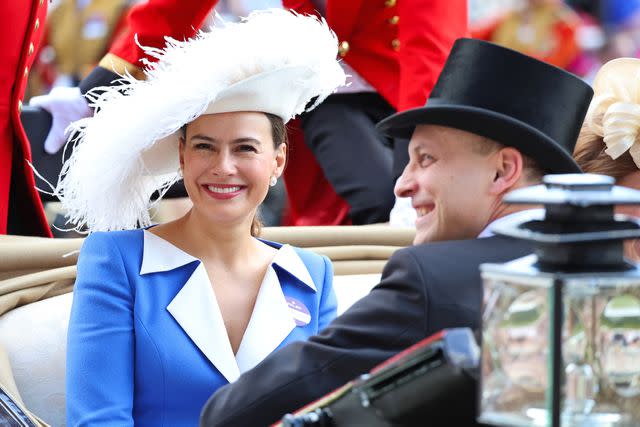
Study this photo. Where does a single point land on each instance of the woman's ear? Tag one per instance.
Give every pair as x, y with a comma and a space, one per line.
508, 170
280, 160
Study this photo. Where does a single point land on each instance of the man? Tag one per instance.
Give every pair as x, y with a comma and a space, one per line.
495, 121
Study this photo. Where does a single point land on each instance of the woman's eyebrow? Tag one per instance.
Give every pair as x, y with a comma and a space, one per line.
245, 140
203, 138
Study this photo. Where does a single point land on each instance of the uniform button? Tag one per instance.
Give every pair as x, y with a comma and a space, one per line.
26, 72
35, 28
394, 20
41, 1
31, 48
343, 49
395, 44
390, 3
19, 106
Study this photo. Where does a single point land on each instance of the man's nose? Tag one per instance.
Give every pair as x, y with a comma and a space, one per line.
405, 185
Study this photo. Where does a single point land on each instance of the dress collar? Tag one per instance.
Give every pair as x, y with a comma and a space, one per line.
159, 255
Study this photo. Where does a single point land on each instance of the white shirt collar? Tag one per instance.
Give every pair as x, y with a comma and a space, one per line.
159, 255
526, 215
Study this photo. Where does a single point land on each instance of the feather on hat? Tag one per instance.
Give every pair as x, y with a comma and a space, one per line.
273, 61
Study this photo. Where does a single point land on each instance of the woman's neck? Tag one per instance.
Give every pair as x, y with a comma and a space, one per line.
228, 244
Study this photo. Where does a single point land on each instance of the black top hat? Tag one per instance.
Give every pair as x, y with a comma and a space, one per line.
506, 96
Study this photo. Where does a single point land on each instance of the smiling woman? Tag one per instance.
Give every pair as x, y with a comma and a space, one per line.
163, 315
230, 153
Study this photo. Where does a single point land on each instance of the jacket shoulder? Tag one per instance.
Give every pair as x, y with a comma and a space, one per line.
123, 240
490, 249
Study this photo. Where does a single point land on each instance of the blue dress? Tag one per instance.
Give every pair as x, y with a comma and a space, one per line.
146, 340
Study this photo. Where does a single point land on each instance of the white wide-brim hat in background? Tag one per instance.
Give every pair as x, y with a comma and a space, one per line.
273, 61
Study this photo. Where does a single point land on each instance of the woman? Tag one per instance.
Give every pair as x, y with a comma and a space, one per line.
608, 142
165, 315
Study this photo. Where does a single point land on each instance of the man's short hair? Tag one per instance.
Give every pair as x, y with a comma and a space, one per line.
486, 146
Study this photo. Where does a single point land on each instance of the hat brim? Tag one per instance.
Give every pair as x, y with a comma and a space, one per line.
506, 130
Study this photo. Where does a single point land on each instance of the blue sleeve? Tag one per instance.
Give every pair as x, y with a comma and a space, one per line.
328, 301
100, 341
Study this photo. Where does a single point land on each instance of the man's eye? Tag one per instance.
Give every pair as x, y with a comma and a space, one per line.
426, 160
203, 146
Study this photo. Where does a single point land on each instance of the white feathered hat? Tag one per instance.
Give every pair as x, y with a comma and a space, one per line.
274, 61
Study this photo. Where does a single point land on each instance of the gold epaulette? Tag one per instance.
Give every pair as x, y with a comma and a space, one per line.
118, 65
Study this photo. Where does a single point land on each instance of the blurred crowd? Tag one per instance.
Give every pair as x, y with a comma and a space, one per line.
577, 35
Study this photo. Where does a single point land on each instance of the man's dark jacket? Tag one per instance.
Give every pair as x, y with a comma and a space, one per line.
423, 290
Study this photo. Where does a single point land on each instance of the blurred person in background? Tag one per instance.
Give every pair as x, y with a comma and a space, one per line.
394, 52
78, 34
608, 142
621, 21
544, 29
22, 29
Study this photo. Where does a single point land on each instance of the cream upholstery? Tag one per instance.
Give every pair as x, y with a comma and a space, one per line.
36, 280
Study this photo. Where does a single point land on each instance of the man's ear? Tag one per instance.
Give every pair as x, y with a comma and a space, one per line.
508, 170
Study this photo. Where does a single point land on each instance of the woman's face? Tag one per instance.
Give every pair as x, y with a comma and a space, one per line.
227, 161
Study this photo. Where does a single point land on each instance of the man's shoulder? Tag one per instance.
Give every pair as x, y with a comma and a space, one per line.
489, 249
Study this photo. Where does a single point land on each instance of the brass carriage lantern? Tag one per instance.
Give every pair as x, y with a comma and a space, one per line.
561, 327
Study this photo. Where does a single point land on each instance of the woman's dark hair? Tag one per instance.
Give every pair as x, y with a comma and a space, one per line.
279, 136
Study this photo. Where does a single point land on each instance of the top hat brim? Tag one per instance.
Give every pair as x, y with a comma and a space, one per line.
506, 130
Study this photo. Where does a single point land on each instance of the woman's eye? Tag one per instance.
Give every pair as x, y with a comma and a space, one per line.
247, 148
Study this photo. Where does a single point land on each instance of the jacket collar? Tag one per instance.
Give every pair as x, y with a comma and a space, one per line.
159, 255
196, 309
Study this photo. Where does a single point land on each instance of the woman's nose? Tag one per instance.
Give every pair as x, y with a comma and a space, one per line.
224, 164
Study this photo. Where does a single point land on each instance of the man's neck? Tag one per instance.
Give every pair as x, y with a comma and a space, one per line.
504, 209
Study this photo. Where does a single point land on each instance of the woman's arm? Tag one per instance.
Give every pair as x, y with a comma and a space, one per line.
328, 301
100, 365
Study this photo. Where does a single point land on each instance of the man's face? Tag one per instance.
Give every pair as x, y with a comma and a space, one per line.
448, 179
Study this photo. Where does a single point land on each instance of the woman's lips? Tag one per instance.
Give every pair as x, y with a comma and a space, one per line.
223, 191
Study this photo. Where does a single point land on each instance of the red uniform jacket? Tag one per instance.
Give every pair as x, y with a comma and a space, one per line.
21, 31
397, 46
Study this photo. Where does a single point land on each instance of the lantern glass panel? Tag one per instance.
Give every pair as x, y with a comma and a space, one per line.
600, 383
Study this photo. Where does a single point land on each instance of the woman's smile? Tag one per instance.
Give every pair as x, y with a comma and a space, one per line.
223, 191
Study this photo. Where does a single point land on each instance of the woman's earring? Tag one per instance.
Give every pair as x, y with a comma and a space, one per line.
273, 181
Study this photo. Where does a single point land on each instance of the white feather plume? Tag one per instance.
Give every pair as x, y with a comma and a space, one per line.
107, 183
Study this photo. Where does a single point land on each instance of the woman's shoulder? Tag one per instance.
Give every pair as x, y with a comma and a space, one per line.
121, 238
307, 254
315, 262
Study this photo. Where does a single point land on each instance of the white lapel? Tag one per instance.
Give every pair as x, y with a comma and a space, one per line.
272, 320
196, 309
159, 255
270, 323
